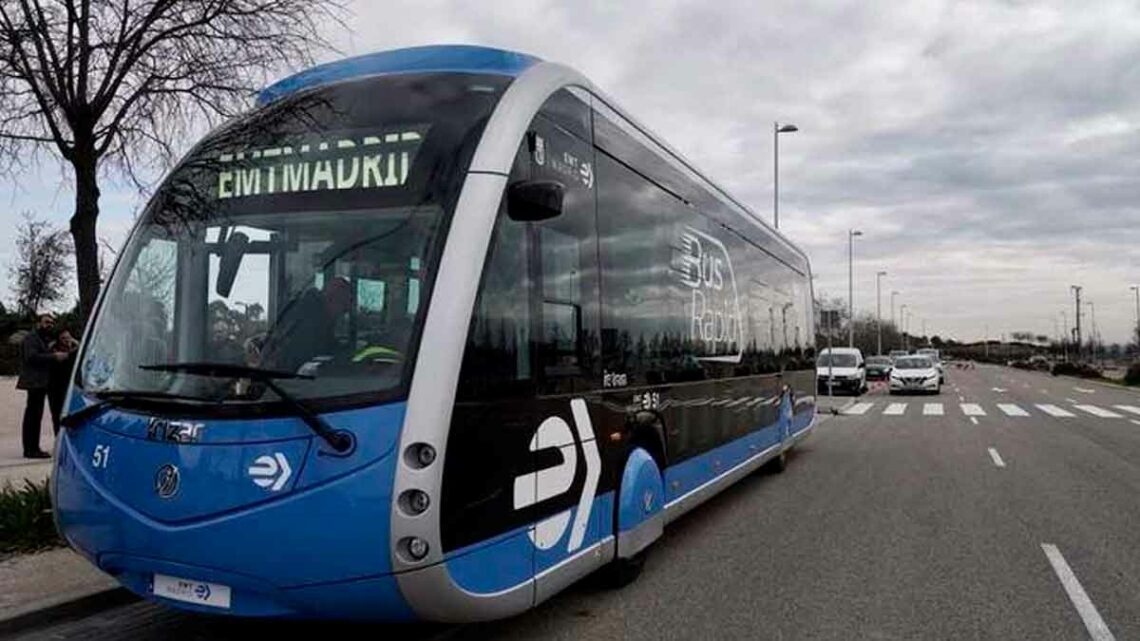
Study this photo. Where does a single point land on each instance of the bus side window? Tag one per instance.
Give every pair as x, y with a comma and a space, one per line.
564, 259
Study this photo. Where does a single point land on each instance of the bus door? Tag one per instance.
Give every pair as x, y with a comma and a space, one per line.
564, 310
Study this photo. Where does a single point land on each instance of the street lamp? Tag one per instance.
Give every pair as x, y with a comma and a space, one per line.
893, 294
903, 343
778, 129
879, 312
851, 234
1136, 288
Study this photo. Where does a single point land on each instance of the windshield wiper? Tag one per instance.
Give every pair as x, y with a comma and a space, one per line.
338, 440
111, 398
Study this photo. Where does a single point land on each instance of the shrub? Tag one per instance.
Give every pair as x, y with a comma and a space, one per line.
26, 523
1082, 370
1132, 376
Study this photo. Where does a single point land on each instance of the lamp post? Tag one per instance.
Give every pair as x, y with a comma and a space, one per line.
893, 294
1077, 291
879, 312
1136, 288
777, 129
851, 234
903, 342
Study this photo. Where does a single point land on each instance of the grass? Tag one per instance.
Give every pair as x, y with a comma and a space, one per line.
26, 523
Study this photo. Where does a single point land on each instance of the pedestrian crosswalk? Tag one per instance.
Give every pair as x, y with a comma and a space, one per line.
1013, 410
1053, 410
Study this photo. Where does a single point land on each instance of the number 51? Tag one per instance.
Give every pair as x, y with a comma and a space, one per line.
99, 458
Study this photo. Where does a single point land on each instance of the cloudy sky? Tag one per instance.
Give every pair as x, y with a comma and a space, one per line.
988, 151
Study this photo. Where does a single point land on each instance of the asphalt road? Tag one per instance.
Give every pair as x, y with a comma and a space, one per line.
896, 525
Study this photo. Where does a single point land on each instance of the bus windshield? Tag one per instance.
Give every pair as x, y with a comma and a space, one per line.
301, 240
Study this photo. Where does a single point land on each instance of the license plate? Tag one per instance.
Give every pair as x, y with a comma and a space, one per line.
190, 591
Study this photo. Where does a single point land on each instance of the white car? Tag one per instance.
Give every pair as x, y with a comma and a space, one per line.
935, 356
841, 368
915, 374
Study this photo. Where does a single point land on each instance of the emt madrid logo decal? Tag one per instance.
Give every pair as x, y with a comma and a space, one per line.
534, 487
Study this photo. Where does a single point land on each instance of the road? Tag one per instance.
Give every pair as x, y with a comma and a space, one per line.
887, 524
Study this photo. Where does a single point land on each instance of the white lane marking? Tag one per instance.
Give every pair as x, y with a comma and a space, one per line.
961, 398
1053, 410
1045, 392
1128, 408
996, 457
1012, 410
999, 389
932, 409
1084, 389
1134, 421
1072, 400
973, 409
973, 420
1096, 411
895, 409
858, 409
1093, 623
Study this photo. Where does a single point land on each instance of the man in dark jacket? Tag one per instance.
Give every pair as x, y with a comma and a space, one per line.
35, 375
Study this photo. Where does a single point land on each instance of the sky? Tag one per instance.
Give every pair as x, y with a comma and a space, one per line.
987, 151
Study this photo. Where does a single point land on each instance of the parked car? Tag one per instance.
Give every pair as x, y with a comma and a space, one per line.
841, 368
879, 367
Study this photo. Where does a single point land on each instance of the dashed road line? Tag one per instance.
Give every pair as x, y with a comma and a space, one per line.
1012, 410
1053, 410
1084, 390
932, 409
973, 420
1072, 400
996, 457
1134, 421
1095, 625
1096, 411
895, 409
1128, 408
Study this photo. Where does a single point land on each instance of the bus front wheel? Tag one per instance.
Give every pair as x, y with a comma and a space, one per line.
639, 515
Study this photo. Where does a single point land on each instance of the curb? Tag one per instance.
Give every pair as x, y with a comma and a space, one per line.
61, 609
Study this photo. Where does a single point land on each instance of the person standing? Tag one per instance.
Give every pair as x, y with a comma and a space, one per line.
35, 374
59, 379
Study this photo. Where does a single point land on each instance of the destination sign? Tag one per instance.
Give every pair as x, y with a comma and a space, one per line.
368, 161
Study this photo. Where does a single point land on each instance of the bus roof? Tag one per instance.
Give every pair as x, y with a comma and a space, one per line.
459, 58
482, 59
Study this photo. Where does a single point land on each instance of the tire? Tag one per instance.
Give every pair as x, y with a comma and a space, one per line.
778, 464
621, 572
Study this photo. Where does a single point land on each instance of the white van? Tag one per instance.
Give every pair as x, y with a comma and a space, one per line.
841, 367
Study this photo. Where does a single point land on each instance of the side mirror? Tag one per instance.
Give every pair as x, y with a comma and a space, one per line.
229, 262
534, 200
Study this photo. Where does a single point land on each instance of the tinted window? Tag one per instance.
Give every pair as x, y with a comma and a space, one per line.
534, 327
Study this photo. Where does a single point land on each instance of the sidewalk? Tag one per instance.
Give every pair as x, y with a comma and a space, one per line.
14, 467
32, 584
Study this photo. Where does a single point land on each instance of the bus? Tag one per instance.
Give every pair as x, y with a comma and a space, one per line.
428, 334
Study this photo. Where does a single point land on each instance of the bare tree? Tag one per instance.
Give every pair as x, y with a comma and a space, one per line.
41, 268
120, 84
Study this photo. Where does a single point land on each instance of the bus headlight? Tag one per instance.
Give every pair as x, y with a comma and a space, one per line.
416, 547
415, 501
420, 455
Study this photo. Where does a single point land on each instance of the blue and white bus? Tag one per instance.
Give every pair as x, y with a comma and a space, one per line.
429, 334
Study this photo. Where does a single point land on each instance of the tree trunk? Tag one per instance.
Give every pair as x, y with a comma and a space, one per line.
83, 233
